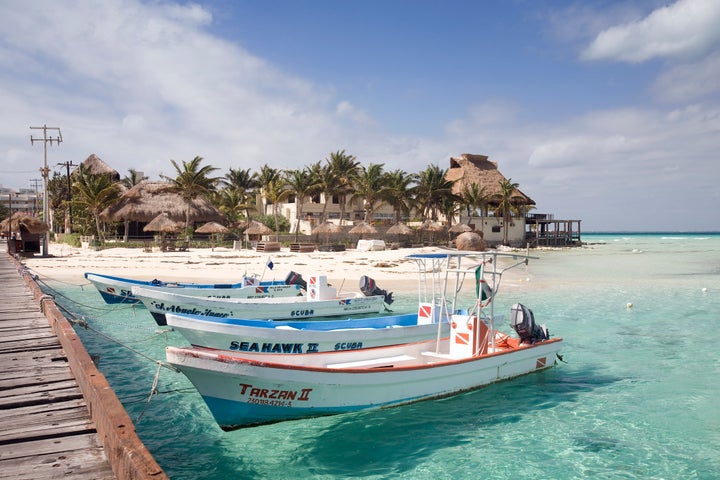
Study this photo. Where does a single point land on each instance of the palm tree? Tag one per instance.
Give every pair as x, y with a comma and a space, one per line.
368, 185
236, 196
275, 191
94, 193
505, 206
345, 168
431, 188
133, 178
327, 183
397, 192
475, 198
192, 181
302, 184
231, 203
450, 206
266, 176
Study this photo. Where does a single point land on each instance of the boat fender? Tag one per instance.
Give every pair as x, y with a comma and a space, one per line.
369, 289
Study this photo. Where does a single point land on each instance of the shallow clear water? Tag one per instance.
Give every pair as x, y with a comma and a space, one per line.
637, 398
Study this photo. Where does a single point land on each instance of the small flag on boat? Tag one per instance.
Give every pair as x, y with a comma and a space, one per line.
270, 264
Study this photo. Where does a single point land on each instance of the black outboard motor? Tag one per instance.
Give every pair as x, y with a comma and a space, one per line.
295, 279
368, 288
523, 321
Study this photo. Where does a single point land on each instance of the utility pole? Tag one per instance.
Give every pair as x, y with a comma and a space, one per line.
45, 171
68, 218
35, 182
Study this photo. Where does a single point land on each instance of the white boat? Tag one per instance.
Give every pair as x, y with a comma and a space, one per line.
308, 336
321, 300
119, 290
247, 389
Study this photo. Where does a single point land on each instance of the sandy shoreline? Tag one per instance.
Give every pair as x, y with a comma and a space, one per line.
390, 269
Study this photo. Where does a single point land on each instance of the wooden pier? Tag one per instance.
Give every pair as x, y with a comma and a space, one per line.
548, 232
59, 418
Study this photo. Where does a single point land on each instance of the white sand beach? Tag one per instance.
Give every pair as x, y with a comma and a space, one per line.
389, 268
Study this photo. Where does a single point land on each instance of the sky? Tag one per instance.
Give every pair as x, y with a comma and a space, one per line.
602, 111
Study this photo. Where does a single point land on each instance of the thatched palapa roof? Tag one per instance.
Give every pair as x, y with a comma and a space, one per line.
27, 223
253, 227
163, 223
95, 166
148, 199
399, 229
211, 227
363, 228
468, 169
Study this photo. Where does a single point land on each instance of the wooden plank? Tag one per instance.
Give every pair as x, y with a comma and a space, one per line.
58, 375
46, 430
78, 464
62, 428
11, 399
32, 448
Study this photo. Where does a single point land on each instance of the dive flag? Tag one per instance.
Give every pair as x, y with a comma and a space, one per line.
270, 264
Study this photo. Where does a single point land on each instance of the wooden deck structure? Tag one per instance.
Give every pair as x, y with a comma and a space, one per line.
547, 232
48, 389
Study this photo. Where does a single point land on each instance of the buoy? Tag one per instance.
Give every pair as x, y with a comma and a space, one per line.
704, 290
629, 305
527, 279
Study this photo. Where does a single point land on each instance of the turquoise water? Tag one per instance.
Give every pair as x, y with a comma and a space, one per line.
638, 397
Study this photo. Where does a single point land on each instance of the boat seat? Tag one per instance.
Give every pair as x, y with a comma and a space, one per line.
385, 362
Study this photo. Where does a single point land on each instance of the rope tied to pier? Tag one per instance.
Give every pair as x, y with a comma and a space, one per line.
153, 391
44, 299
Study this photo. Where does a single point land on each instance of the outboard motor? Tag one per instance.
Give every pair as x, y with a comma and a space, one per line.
368, 288
523, 321
295, 279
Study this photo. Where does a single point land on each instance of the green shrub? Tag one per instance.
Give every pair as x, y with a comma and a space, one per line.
73, 239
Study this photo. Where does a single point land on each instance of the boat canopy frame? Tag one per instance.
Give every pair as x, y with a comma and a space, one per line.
442, 276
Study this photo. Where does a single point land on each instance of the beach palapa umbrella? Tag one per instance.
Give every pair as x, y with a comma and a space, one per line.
460, 228
257, 228
363, 228
327, 228
212, 228
163, 224
400, 229
432, 227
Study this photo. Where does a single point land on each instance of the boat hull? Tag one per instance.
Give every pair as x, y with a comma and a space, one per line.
247, 390
302, 337
159, 303
116, 290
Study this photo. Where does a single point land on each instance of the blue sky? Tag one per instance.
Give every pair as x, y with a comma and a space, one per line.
603, 111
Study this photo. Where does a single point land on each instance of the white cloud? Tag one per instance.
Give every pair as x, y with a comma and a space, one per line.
140, 84
346, 109
690, 81
146, 83
685, 28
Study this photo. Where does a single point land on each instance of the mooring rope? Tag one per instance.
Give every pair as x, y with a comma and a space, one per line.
50, 295
153, 391
105, 311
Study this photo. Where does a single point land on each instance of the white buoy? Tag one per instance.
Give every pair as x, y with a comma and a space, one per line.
629, 305
704, 290
527, 279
